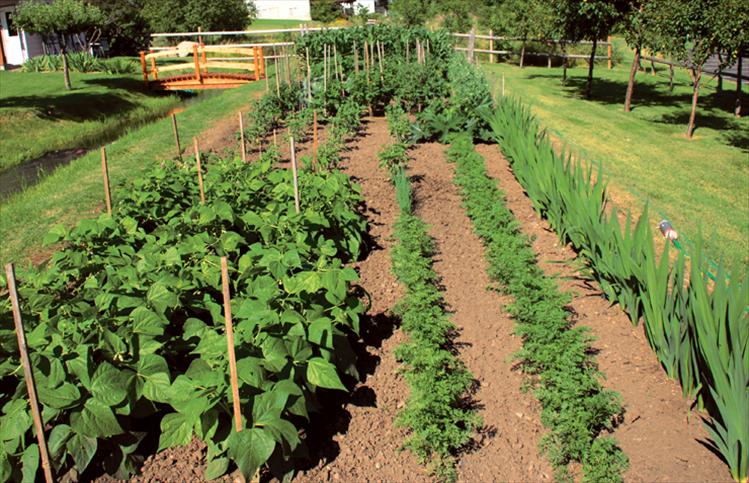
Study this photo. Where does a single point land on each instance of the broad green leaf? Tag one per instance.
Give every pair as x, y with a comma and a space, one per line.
250, 449
57, 440
216, 468
176, 430
250, 371
30, 463
62, 397
147, 322
323, 374
161, 298
110, 385
82, 449
96, 420
54, 235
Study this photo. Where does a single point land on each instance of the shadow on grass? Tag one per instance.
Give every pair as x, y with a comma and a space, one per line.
78, 105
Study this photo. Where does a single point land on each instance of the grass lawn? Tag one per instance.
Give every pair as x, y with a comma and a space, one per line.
268, 24
699, 184
37, 114
75, 191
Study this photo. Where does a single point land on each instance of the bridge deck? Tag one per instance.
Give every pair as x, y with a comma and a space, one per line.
210, 80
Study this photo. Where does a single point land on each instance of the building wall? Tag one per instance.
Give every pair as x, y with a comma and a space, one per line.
283, 9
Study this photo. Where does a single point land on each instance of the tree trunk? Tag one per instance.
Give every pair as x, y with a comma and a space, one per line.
65, 68
719, 85
522, 54
695, 95
564, 64
737, 108
589, 86
631, 85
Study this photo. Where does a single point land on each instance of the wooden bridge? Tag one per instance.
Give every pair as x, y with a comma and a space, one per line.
205, 72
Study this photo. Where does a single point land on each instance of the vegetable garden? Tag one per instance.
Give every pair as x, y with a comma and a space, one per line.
125, 324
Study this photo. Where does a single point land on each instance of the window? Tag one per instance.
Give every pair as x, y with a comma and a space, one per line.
12, 29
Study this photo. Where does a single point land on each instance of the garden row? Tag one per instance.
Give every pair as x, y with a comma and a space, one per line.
697, 321
126, 327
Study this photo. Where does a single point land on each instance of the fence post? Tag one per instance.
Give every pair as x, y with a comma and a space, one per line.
105, 174
472, 46
154, 70
195, 58
610, 52
492, 56
144, 67
230, 344
257, 63
28, 375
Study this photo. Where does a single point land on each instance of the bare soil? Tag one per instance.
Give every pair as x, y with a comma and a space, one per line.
508, 446
660, 434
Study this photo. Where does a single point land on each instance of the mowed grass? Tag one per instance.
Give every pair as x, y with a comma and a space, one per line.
37, 114
76, 191
269, 24
700, 185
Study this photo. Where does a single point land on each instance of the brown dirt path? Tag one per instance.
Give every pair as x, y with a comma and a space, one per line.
368, 445
509, 452
660, 434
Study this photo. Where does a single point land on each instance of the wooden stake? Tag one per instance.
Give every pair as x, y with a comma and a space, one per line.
275, 138
200, 170
176, 136
492, 57
278, 80
610, 52
242, 145
230, 344
356, 59
105, 174
294, 173
288, 66
10, 275
325, 69
309, 77
379, 58
314, 138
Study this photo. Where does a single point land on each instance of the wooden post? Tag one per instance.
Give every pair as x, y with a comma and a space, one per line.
492, 56
200, 170
200, 37
176, 136
288, 66
154, 70
143, 67
309, 77
275, 138
204, 59
610, 53
314, 137
325, 68
472, 45
105, 174
242, 149
356, 58
379, 58
196, 59
257, 63
230, 344
10, 275
294, 173
278, 80
262, 62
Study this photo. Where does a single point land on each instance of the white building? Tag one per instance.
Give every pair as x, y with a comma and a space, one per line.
372, 6
16, 46
283, 9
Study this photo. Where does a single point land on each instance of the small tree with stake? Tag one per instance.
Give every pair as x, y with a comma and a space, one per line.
690, 30
59, 18
588, 20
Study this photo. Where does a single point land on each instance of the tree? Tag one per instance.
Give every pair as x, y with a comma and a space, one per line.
325, 10
636, 34
125, 28
732, 30
59, 18
188, 15
688, 30
524, 19
411, 12
457, 15
587, 20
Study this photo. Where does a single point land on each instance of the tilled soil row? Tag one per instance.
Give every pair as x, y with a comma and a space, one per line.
660, 434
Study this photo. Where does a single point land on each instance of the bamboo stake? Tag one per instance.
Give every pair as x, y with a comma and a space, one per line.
105, 174
176, 136
325, 69
230, 344
335, 63
492, 57
200, 170
314, 137
294, 173
28, 375
275, 138
242, 145
309, 77
379, 58
288, 66
356, 58
408, 51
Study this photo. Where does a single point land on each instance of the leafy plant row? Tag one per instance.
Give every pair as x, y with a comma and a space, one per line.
125, 323
557, 355
698, 329
80, 62
436, 413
